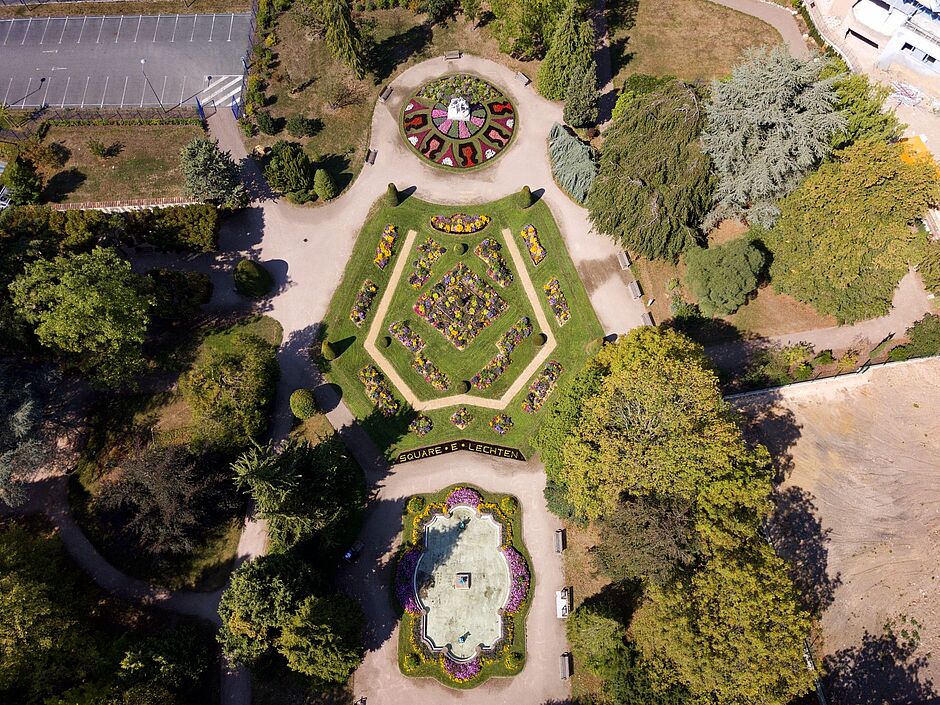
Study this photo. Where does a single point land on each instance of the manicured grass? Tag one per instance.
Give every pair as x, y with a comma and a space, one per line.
689, 39
147, 165
497, 668
124, 422
347, 339
303, 79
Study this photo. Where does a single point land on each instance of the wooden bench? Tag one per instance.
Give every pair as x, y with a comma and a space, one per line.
635, 290
624, 259
386, 92
565, 666
559, 540
522, 78
452, 56
370, 156
648, 319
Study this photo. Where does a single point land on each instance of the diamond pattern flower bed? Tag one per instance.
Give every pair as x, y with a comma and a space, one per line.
496, 267
460, 306
431, 251
430, 372
440, 137
402, 332
495, 367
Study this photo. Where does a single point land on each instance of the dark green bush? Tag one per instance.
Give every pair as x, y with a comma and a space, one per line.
289, 169
326, 351
251, 279
385, 342
525, 197
924, 340
300, 126
463, 387
179, 294
415, 504
392, 197
192, 228
267, 124
824, 357
303, 404
324, 185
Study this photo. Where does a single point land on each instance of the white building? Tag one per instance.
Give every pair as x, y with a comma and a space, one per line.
904, 32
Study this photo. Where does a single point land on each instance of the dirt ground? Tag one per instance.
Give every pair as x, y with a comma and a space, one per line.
857, 511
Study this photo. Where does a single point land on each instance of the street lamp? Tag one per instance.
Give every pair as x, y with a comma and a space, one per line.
146, 78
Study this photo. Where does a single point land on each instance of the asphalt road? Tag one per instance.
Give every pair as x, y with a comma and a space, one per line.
96, 61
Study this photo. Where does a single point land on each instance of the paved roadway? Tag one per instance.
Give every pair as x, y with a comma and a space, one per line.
96, 61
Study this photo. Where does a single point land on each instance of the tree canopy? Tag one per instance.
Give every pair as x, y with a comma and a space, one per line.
525, 27
844, 238
574, 163
23, 447
90, 307
23, 182
582, 96
861, 102
769, 124
342, 35
572, 47
211, 174
654, 184
323, 638
723, 276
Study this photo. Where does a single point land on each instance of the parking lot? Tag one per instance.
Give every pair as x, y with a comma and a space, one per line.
138, 60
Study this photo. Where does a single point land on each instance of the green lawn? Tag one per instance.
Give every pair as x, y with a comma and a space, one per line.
495, 668
573, 338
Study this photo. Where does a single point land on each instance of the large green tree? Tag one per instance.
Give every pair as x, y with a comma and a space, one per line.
572, 48
23, 182
323, 638
654, 184
861, 102
342, 35
23, 448
304, 492
582, 96
574, 163
723, 276
769, 124
524, 27
90, 307
845, 237
211, 174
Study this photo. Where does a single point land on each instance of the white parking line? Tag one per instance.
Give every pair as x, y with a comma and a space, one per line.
139, 20
195, 18
182, 90
46, 92
230, 25
43, 37
143, 92
87, 79
105, 91
8, 33
66, 92
81, 31
211, 29
156, 27
124, 91
118, 35
7, 94
26, 95
64, 25
173, 38
27, 31
163, 90
103, 19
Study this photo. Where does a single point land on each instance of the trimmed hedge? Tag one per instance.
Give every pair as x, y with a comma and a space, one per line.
303, 405
251, 279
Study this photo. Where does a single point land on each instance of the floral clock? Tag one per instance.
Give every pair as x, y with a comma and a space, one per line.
458, 122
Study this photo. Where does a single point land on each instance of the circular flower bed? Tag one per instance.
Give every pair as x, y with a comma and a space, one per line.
458, 122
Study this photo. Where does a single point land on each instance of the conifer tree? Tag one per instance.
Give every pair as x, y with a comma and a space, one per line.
582, 96
574, 163
571, 48
23, 182
342, 35
211, 174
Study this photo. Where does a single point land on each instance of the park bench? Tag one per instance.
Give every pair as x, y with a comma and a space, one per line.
635, 290
370, 156
565, 666
559, 540
522, 78
386, 92
452, 56
563, 603
624, 259
647, 319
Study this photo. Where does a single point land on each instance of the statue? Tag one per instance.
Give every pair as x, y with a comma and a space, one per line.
458, 109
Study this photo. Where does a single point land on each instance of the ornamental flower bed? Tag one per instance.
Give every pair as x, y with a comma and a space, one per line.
521, 330
402, 332
462, 671
519, 572
496, 268
386, 247
530, 237
431, 251
491, 371
460, 223
460, 306
543, 385
421, 426
378, 390
453, 142
364, 299
501, 424
557, 301
461, 418
404, 581
463, 495
430, 372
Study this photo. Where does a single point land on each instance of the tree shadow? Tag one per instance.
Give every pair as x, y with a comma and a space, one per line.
882, 669
337, 165
388, 54
799, 538
769, 422
256, 186
62, 184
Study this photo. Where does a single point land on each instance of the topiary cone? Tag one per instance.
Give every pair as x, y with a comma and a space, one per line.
392, 197
525, 197
327, 351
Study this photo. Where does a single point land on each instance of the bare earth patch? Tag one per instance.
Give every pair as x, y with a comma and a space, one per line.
857, 514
